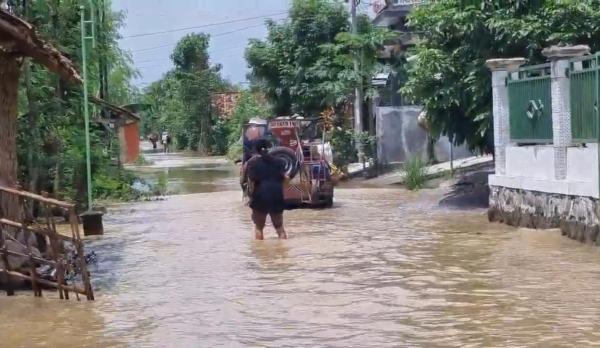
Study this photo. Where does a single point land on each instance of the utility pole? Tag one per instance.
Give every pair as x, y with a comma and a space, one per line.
86, 112
358, 99
358, 127
92, 220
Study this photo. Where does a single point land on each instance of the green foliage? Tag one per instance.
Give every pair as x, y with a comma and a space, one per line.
342, 141
115, 187
235, 152
51, 145
181, 100
221, 132
142, 161
448, 75
167, 108
415, 172
191, 53
248, 106
306, 63
368, 143
162, 185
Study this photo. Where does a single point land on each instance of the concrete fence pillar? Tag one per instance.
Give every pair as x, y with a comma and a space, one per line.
561, 102
500, 69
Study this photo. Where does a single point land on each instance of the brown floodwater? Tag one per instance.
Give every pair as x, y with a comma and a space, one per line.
383, 268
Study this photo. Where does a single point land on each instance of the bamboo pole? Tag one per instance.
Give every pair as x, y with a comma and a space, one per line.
34, 258
45, 282
37, 291
56, 248
4, 252
35, 230
39, 198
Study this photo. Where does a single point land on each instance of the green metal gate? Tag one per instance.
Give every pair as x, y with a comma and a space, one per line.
530, 105
584, 75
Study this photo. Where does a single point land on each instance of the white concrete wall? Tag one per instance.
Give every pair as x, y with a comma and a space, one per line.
399, 137
582, 163
560, 168
532, 168
530, 161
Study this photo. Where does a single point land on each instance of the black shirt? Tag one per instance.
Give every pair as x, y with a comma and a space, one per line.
267, 174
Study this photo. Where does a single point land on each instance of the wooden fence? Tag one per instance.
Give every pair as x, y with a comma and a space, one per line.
45, 233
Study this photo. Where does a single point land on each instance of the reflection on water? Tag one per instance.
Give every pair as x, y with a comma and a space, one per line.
186, 173
383, 268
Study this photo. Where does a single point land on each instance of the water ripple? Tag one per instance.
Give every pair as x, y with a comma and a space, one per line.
384, 268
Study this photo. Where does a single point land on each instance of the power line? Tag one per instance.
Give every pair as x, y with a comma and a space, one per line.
205, 25
150, 66
152, 61
211, 53
215, 35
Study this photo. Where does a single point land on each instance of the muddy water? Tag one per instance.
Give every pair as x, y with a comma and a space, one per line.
185, 173
383, 268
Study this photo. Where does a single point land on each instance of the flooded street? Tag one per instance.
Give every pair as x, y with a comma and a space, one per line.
383, 268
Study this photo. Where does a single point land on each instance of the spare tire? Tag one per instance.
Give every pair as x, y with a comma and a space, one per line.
288, 156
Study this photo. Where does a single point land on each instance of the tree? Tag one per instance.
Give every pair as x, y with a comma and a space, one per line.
50, 145
448, 74
248, 106
181, 100
19, 41
166, 105
305, 64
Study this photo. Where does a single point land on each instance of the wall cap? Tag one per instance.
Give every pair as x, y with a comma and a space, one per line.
504, 64
565, 52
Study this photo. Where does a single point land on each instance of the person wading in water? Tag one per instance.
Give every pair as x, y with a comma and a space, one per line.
166, 141
266, 179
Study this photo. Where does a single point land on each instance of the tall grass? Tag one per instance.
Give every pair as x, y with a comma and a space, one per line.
162, 185
415, 171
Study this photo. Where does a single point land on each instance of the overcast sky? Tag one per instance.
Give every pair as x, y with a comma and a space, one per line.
151, 51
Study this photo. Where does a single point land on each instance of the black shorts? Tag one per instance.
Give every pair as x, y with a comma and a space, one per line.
260, 219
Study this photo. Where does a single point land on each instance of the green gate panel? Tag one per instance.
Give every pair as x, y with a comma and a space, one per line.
530, 105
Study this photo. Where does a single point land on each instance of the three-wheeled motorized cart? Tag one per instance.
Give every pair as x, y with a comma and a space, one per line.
305, 154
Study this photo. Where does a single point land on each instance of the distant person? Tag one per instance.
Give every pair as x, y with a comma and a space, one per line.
266, 178
166, 141
154, 140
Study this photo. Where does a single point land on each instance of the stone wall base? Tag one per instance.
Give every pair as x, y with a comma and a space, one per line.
576, 216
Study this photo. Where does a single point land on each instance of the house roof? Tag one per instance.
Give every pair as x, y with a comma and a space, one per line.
391, 15
137, 107
19, 37
117, 111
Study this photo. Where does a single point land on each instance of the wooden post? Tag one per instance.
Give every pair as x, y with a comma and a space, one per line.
56, 258
37, 291
80, 254
56, 249
4, 253
10, 69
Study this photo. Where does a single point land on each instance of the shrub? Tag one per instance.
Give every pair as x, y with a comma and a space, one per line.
414, 173
107, 187
368, 143
235, 152
344, 152
142, 161
162, 185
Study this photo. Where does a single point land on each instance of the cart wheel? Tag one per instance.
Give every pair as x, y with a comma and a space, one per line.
314, 196
288, 156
